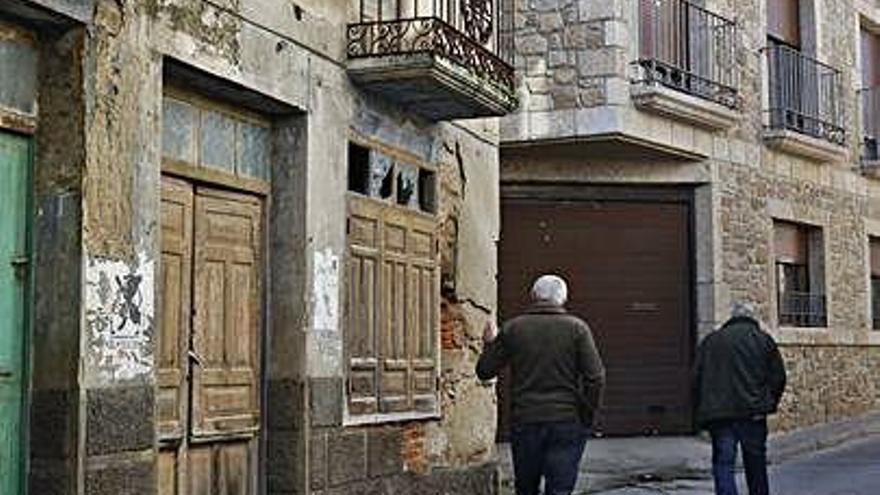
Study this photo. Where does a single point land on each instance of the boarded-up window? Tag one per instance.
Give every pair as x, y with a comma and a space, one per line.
783, 21
393, 299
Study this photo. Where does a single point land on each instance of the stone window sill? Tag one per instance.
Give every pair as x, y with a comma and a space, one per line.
805, 146
375, 419
683, 107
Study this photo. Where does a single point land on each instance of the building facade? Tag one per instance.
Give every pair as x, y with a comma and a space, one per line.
670, 157
247, 246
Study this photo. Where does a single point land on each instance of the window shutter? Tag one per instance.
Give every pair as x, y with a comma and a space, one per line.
790, 243
870, 63
226, 325
362, 305
875, 256
424, 306
394, 370
783, 21
392, 309
175, 276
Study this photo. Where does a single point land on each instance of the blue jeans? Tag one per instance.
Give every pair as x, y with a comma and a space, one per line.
549, 450
751, 434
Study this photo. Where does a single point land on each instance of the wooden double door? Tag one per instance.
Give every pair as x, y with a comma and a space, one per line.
208, 383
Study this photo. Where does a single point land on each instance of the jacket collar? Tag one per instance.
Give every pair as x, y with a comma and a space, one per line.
542, 307
742, 320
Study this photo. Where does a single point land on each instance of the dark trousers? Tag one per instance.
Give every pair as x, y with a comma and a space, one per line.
549, 450
752, 436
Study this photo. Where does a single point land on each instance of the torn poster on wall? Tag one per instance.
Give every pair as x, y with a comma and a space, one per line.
119, 317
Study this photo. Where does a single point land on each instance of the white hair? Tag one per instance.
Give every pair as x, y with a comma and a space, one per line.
741, 309
550, 288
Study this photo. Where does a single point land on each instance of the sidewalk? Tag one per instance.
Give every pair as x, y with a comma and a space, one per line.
618, 462
685, 462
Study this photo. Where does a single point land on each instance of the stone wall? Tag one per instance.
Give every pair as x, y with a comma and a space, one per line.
743, 184
566, 51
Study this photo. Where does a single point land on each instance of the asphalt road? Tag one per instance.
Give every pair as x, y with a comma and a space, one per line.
851, 469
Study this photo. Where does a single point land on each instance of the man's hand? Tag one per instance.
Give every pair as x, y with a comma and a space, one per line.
490, 332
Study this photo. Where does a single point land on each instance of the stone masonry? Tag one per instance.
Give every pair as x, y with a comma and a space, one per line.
740, 183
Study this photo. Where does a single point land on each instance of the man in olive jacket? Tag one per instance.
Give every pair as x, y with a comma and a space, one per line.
557, 379
739, 380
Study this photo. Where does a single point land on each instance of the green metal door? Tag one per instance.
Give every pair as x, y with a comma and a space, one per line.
15, 153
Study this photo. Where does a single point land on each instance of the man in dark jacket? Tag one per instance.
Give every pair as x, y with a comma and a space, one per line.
557, 380
739, 380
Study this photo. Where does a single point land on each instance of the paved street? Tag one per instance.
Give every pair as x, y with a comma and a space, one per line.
851, 469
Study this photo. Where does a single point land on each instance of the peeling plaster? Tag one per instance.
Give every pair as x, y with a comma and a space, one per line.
326, 291
119, 315
325, 339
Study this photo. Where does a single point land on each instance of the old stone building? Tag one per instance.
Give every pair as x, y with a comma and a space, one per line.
673, 156
247, 246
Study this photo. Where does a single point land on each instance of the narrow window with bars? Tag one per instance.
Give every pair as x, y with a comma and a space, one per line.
874, 248
799, 275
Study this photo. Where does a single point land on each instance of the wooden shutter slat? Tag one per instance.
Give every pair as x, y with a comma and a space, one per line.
226, 330
783, 21
175, 275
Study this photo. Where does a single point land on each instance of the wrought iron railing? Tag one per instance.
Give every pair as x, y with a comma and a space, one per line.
805, 95
870, 101
802, 309
475, 34
688, 48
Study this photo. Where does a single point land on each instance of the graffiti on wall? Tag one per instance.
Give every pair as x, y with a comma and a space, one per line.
119, 318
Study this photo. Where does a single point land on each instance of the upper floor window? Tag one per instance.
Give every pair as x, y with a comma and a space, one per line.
800, 274
870, 95
685, 47
805, 95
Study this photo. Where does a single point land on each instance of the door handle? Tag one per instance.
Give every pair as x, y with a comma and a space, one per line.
5, 374
20, 264
194, 358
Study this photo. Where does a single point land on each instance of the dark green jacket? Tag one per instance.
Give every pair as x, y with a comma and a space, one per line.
556, 373
738, 374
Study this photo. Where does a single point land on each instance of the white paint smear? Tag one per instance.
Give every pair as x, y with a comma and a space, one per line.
326, 291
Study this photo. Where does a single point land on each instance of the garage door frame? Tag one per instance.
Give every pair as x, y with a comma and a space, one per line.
543, 193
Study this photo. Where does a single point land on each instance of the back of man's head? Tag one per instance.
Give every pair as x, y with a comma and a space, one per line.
741, 309
550, 289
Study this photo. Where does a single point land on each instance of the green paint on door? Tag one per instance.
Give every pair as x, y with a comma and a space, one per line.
15, 153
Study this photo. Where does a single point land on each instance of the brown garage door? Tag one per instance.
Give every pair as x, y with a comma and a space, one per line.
628, 268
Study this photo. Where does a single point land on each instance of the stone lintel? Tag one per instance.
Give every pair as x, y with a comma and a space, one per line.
683, 107
805, 146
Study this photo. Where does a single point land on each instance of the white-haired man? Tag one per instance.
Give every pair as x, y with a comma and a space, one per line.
557, 379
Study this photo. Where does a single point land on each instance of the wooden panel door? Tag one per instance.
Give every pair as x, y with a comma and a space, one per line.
227, 320
15, 153
175, 277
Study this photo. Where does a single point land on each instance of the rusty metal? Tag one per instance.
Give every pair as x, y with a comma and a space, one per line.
687, 48
806, 96
470, 33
